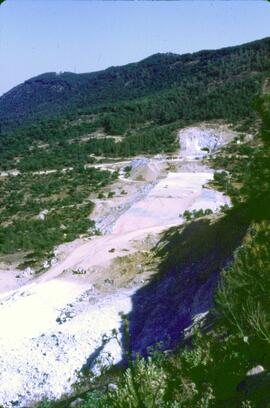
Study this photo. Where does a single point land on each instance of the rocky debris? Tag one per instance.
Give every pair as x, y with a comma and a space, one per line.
254, 388
248, 138
76, 403
112, 387
49, 263
87, 295
90, 296
46, 264
198, 321
79, 271
255, 370
139, 162
26, 273
146, 169
106, 223
42, 215
199, 142
50, 364
65, 316
46, 354
14, 297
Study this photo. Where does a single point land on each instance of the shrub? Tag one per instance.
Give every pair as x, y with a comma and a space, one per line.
243, 297
191, 215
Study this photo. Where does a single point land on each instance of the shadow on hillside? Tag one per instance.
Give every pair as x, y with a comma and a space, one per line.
191, 258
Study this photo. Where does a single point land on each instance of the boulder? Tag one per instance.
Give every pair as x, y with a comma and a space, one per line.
76, 403
112, 387
255, 370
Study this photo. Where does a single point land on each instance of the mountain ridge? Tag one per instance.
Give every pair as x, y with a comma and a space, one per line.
57, 93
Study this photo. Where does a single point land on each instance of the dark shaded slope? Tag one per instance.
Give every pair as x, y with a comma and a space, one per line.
191, 260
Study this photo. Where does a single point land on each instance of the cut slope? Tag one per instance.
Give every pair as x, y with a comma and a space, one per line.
197, 142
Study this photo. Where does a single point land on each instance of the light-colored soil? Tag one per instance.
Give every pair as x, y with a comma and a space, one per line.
52, 325
8, 280
168, 200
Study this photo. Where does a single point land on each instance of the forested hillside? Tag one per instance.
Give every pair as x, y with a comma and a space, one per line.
201, 73
143, 103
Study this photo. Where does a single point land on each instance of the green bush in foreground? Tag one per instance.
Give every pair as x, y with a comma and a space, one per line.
243, 299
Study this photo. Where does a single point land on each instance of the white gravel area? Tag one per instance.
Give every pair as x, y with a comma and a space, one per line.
55, 325
41, 357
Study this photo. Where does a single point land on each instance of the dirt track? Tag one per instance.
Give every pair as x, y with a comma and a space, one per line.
33, 363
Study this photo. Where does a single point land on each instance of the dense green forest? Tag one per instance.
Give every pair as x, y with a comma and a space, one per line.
66, 92
147, 126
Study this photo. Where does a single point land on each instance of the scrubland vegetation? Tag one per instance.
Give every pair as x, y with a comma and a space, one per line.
65, 199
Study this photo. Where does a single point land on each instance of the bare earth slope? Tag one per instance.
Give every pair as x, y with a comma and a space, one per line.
55, 325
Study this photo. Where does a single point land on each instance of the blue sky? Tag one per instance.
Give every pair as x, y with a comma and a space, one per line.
38, 36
